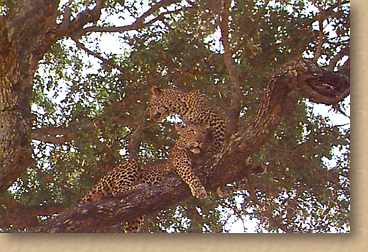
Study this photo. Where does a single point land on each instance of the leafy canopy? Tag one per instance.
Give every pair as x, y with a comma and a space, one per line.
96, 105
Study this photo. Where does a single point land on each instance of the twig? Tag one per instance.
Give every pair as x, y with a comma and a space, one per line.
337, 108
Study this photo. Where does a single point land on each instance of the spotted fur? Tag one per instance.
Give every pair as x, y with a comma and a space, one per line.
128, 174
192, 107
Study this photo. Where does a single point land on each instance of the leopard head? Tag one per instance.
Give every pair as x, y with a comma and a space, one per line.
193, 137
164, 102
157, 109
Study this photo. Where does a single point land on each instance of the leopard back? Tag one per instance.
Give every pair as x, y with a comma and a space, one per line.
122, 178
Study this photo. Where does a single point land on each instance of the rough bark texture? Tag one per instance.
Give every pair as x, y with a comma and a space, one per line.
22, 44
232, 165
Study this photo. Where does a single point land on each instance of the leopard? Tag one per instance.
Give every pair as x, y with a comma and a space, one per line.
192, 107
125, 177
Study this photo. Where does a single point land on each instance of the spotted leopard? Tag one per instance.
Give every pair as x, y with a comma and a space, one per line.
127, 175
192, 107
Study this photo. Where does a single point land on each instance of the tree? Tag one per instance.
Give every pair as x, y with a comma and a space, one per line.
71, 109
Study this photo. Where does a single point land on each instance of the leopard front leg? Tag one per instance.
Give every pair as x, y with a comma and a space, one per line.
183, 167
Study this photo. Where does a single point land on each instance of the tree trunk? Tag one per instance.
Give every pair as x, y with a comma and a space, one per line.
24, 38
16, 74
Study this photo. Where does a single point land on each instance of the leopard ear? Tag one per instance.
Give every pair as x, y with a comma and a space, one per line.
155, 90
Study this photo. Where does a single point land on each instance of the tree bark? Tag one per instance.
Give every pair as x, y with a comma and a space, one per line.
24, 38
15, 150
18, 63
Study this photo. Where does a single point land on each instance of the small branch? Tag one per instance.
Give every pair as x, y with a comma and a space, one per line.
67, 14
196, 219
329, 11
139, 22
154, 8
236, 211
132, 27
345, 68
73, 27
338, 109
235, 105
342, 125
105, 61
136, 137
58, 135
334, 60
320, 41
63, 134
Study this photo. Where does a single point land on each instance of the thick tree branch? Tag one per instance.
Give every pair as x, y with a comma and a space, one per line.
235, 105
234, 164
15, 215
143, 200
29, 32
322, 86
309, 80
54, 135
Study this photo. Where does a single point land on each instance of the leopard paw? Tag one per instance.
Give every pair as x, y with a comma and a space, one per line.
199, 193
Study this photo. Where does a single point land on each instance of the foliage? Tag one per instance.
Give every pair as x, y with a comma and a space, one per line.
307, 184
